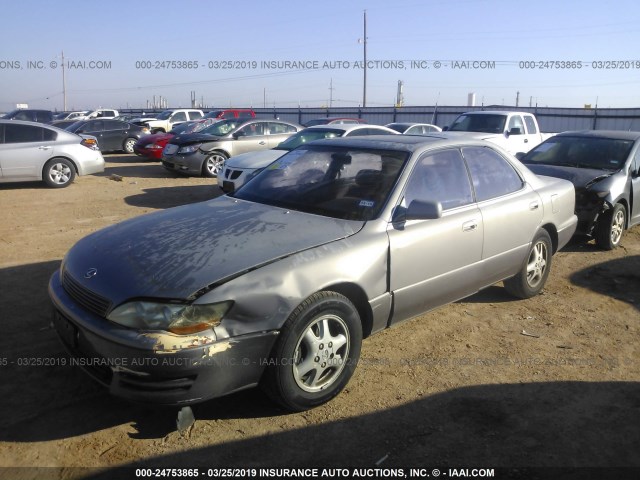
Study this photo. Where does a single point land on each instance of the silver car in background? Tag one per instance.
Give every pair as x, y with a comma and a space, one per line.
278, 283
33, 151
205, 152
240, 168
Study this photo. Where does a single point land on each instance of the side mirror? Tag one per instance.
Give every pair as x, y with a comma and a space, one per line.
239, 134
445, 128
515, 131
520, 155
418, 210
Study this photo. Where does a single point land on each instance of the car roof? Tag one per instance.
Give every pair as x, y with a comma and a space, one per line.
406, 143
411, 124
614, 134
347, 127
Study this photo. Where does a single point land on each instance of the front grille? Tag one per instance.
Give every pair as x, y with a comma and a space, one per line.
85, 297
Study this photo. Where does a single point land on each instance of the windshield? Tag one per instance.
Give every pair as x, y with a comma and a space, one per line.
221, 128
306, 136
581, 152
164, 115
485, 123
351, 184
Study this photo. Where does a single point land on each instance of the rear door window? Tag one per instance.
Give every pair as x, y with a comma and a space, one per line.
492, 175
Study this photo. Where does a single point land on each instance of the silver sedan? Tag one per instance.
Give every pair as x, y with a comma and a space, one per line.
33, 151
278, 283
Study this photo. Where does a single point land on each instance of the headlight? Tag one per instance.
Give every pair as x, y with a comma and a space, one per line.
190, 148
171, 317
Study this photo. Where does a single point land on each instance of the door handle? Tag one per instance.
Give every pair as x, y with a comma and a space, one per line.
262, 143
534, 206
469, 226
44, 147
526, 140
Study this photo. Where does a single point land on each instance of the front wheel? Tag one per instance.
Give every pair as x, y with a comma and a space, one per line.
58, 173
610, 227
535, 270
316, 352
213, 164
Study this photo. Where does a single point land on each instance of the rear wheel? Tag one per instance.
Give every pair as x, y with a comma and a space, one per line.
128, 144
213, 164
316, 352
610, 227
58, 173
535, 270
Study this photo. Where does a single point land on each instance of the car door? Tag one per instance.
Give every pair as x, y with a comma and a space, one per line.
518, 138
113, 134
24, 150
177, 118
279, 132
511, 212
251, 137
635, 189
433, 262
94, 128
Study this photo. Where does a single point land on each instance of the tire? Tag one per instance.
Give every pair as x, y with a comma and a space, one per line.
58, 173
535, 270
610, 227
316, 352
128, 144
213, 164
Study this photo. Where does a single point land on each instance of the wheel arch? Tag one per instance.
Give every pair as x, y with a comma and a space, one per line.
358, 297
553, 234
59, 157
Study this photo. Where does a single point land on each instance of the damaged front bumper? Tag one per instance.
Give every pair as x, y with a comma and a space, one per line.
157, 367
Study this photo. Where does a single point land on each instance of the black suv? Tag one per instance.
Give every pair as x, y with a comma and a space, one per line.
30, 115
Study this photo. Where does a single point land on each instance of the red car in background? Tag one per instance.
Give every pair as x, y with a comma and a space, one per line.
151, 146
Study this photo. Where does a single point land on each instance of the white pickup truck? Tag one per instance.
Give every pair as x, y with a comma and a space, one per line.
514, 131
168, 119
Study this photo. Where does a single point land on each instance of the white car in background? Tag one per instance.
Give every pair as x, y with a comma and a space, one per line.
410, 128
237, 170
35, 152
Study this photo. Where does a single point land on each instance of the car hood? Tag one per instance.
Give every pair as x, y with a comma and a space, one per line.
182, 252
253, 160
580, 177
156, 137
188, 138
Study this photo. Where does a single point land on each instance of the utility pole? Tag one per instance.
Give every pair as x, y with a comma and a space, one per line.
517, 99
330, 93
364, 86
64, 87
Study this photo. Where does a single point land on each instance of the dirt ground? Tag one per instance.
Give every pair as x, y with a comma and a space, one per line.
487, 382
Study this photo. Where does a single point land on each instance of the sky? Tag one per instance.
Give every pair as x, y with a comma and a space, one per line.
285, 53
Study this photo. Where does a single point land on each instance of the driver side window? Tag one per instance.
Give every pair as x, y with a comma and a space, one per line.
440, 177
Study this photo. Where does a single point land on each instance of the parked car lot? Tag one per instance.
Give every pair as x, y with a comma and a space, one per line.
33, 151
467, 373
604, 166
240, 168
204, 153
359, 234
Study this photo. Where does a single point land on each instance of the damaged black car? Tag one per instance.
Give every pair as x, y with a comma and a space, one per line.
604, 168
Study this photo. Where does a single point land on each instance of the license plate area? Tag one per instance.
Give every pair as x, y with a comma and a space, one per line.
67, 330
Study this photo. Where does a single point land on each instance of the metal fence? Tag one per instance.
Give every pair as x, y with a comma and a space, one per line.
550, 119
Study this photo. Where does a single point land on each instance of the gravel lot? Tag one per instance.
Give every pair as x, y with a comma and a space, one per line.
487, 382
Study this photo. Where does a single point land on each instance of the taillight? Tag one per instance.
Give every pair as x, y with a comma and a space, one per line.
91, 143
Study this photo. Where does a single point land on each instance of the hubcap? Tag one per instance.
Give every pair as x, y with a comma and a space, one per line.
60, 173
214, 164
320, 355
537, 264
617, 226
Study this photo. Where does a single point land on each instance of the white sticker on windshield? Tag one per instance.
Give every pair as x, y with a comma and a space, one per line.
367, 203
